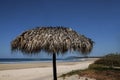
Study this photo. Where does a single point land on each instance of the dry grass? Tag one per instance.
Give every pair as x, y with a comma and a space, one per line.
108, 74
101, 75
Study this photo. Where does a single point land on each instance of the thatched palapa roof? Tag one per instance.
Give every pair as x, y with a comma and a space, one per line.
51, 40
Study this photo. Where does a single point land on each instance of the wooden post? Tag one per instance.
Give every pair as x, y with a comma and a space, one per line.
54, 67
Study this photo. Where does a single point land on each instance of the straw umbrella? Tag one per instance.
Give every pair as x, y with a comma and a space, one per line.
53, 40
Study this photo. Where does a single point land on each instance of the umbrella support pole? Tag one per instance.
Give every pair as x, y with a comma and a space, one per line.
54, 67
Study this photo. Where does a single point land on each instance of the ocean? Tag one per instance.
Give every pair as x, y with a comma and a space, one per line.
29, 60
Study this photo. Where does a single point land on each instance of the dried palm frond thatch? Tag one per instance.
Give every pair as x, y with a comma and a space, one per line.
52, 40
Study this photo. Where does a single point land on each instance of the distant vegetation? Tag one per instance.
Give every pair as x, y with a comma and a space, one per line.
105, 68
111, 60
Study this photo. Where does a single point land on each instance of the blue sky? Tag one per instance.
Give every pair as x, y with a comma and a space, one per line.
96, 19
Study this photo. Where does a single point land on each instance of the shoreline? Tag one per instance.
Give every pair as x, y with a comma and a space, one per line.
39, 71
12, 66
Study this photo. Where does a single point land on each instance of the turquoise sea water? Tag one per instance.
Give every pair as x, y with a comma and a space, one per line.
27, 60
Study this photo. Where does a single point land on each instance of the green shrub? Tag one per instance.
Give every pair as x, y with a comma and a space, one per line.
95, 66
109, 60
100, 67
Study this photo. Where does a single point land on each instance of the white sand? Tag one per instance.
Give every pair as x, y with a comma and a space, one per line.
42, 73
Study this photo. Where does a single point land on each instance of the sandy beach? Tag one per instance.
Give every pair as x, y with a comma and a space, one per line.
39, 70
